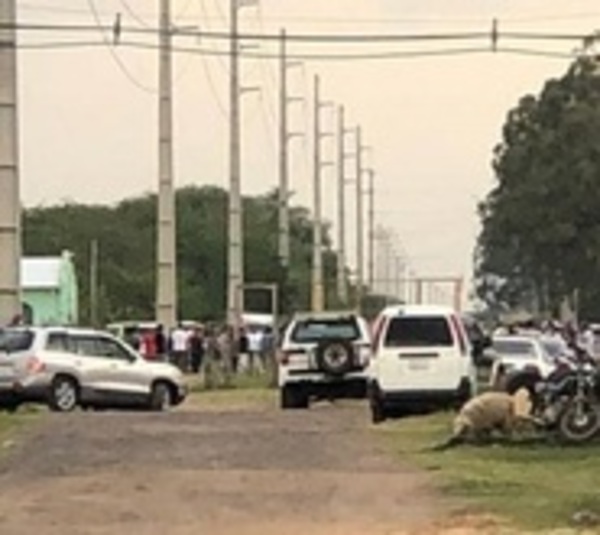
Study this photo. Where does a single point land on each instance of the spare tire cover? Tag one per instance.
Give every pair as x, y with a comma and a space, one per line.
335, 357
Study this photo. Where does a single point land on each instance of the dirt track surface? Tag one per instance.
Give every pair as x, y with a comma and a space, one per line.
239, 470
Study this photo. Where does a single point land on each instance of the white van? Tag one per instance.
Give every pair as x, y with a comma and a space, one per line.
421, 357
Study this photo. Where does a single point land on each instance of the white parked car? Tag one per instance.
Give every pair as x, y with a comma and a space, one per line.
67, 368
323, 355
513, 353
421, 357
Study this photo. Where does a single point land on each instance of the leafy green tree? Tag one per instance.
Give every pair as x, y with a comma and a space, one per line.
541, 224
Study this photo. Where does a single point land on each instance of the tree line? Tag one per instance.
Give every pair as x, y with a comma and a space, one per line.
126, 237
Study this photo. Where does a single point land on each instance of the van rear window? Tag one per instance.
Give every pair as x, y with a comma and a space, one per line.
418, 332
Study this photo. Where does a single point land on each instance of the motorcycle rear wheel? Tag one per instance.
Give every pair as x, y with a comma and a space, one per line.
579, 422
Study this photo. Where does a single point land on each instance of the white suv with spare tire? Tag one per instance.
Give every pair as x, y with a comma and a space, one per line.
422, 357
323, 355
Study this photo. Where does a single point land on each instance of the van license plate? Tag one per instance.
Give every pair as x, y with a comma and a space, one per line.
418, 366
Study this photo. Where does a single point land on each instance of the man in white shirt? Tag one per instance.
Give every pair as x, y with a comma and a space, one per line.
180, 348
255, 346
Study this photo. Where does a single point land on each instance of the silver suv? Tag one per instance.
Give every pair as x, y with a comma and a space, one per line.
323, 355
67, 368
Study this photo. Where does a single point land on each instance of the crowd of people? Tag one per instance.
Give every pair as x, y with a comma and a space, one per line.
204, 348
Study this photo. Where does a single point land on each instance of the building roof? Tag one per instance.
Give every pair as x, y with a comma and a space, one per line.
40, 272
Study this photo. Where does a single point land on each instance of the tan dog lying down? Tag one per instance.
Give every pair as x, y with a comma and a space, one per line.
487, 412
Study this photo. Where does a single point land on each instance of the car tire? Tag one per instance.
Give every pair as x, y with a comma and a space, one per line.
294, 397
161, 397
64, 394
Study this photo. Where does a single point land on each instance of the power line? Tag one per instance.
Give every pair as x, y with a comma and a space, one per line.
118, 61
28, 6
347, 38
390, 55
131, 12
204, 17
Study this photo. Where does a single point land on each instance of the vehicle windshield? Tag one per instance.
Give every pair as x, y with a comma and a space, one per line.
315, 330
554, 349
514, 348
14, 340
418, 332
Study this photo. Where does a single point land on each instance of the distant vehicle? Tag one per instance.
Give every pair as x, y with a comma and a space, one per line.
422, 357
68, 368
323, 355
254, 320
512, 353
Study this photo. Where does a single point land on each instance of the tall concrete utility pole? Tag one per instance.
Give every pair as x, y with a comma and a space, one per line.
284, 216
235, 279
285, 136
10, 203
317, 294
342, 287
359, 221
284, 178
166, 286
371, 229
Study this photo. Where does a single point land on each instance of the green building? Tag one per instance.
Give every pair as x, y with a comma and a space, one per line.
49, 290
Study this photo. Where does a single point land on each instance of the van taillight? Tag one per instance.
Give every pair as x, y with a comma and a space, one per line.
377, 332
462, 342
283, 357
34, 365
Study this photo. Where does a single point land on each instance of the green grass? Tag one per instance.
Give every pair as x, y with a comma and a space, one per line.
534, 485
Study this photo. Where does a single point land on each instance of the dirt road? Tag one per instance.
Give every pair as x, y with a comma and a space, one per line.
227, 470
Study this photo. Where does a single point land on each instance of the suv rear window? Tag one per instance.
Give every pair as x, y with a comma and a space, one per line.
418, 332
314, 330
13, 340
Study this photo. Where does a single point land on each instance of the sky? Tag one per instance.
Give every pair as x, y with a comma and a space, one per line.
88, 116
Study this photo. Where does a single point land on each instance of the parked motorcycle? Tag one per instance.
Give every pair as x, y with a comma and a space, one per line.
567, 402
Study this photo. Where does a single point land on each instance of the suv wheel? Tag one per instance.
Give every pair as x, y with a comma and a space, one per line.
64, 394
161, 397
294, 397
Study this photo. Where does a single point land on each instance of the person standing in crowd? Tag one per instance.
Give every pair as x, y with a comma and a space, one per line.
255, 340
241, 363
267, 351
197, 349
160, 342
148, 345
180, 348
226, 343
212, 358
